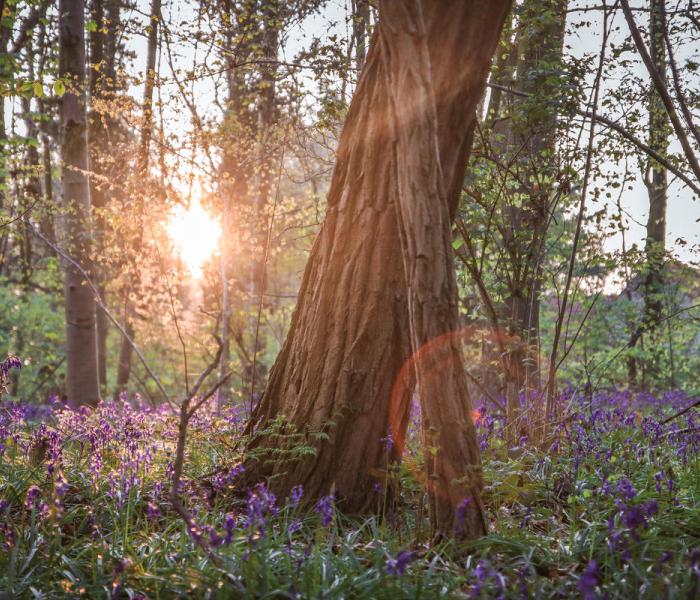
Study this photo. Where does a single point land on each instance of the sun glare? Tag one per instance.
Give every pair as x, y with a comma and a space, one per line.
195, 235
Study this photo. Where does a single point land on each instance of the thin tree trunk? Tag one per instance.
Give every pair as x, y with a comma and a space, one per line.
657, 188
237, 137
142, 163
5, 33
655, 247
424, 206
360, 30
532, 135
375, 292
46, 224
82, 383
521, 134
99, 154
32, 190
267, 163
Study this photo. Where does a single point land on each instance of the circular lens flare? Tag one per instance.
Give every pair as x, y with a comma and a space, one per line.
195, 235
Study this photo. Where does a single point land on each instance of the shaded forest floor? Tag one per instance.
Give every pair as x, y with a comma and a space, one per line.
610, 510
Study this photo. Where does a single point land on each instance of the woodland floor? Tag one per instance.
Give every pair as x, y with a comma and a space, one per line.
610, 510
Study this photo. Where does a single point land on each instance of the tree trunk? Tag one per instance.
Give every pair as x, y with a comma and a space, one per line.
657, 188
655, 247
379, 285
238, 135
267, 166
360, 30
82, 383
523, 136
103, 48
142, 163
46, 226
425, 203
5, 73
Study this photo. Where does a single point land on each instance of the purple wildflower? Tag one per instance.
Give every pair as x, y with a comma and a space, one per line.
229, 527
397, 565
461, 514
388, 442
588, 581
11, 362
626, 489
481, 572
325, 508
152, 510
235, 472
295, 495
261, 504
294, 526
32, 495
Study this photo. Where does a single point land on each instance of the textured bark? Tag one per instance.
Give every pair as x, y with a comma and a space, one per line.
82, 385
348, 339
379, 286
658, 185
540, 48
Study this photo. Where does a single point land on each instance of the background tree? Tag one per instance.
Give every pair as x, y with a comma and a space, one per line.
656, 181
513, 191
82, 383
142, 172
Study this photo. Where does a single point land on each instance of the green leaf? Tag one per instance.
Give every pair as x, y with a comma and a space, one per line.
38, 89
91, 26
458, 243
59, 88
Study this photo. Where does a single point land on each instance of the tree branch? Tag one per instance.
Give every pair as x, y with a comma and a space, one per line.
661, 89
627, 135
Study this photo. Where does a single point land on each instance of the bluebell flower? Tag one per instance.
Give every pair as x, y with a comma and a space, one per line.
325, 508
461, 514
626, 489
397, 565
588, 581
295, 495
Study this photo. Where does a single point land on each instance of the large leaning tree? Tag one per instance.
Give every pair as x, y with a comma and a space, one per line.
377, 318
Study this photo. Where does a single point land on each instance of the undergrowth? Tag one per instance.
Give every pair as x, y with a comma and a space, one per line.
610, 510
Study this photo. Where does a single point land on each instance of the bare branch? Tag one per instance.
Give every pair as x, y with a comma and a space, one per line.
627, 135
661, 89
